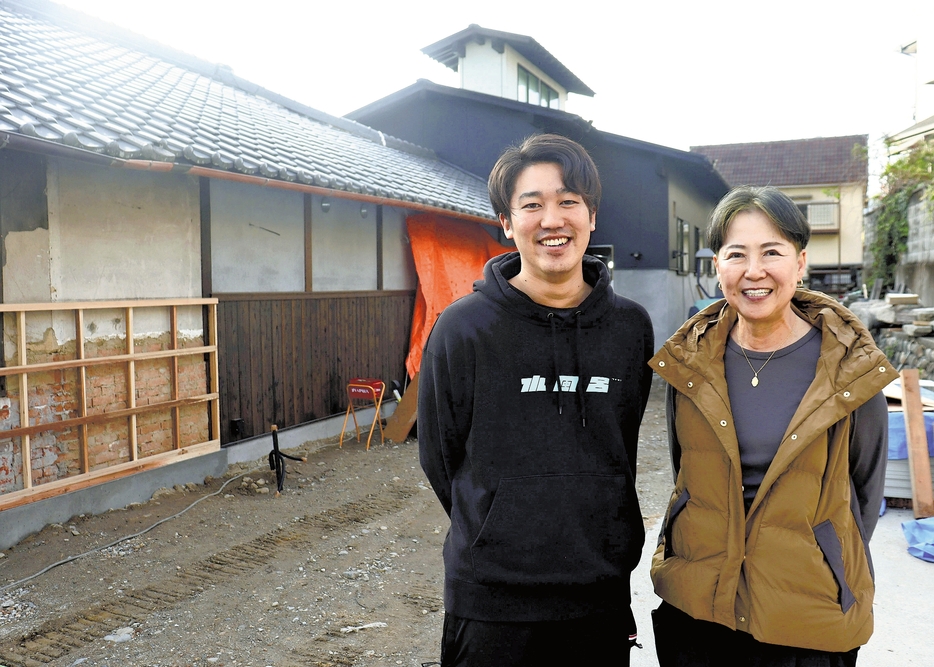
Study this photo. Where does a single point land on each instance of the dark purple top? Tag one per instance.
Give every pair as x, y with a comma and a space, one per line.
762, 413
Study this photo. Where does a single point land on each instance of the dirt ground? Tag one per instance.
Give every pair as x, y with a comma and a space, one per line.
344, 568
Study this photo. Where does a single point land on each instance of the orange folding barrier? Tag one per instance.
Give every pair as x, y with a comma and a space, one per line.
370, 390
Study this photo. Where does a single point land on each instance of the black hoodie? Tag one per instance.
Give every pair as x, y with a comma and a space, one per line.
539, 484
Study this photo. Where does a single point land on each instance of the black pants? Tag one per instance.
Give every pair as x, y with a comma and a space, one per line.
682, 641
600, 640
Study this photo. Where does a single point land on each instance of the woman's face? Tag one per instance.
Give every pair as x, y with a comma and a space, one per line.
758, 269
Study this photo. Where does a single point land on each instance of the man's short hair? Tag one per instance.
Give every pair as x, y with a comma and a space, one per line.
772, 202
577, 168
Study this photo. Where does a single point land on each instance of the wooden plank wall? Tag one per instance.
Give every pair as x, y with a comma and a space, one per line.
285, 359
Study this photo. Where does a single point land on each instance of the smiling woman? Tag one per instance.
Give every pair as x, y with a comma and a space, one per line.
767, 562
758, 267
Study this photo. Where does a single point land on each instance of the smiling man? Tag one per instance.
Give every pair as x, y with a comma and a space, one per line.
531, 393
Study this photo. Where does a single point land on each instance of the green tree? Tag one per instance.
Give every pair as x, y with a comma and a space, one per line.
901, 179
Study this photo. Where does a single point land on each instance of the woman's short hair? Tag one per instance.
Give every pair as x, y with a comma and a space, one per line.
577, 168
775, 204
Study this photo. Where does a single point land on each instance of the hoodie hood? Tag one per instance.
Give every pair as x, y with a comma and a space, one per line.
495, 285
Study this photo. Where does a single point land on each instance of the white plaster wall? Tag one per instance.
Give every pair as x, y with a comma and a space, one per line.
398, 263
26, 274
343, 246
121, 234
484, 70
112, 235
852, 203
823, 250
664, 294
481, 70
257, 238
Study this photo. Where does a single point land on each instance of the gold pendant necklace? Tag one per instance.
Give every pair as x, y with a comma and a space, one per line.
755, 373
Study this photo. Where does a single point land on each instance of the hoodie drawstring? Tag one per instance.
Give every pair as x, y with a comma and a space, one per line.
581, 394
554, 356
580, 371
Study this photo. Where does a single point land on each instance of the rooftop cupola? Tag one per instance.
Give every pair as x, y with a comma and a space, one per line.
507, 65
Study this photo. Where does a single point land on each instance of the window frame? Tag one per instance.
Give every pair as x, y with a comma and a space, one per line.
683, 256
545, 95
833, 227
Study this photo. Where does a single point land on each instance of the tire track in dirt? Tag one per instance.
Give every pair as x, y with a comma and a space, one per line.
55, 639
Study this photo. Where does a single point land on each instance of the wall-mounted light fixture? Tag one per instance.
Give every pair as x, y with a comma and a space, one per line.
636, 255
362, 210
325, 204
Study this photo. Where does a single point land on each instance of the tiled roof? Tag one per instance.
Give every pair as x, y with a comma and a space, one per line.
78, 89
820, 161
552, 120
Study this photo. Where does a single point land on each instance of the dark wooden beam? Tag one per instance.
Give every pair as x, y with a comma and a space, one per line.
308, 265
207, 286
379, 247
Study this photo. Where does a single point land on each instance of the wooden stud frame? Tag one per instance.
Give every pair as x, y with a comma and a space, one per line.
86, 478
919, 465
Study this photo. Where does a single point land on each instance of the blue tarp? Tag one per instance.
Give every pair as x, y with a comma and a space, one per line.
920, 536
898, 441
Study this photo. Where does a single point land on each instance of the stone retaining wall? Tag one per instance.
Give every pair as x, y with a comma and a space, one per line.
906, 351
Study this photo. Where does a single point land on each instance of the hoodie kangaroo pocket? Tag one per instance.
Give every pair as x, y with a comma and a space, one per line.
559, 529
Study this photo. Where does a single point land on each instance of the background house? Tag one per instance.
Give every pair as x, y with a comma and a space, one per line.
656, 200
137, 186
915, 270
827, 178
921, 51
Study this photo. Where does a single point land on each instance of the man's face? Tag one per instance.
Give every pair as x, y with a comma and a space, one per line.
550, 225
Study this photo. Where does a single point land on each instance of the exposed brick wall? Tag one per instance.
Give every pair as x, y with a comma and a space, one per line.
53, 396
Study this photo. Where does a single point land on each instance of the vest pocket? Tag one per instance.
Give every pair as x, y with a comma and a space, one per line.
829, 543
675, 510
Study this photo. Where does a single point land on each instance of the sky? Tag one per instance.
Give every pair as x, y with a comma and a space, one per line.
674, 73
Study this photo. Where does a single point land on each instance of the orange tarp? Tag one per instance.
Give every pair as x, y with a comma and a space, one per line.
449, 257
